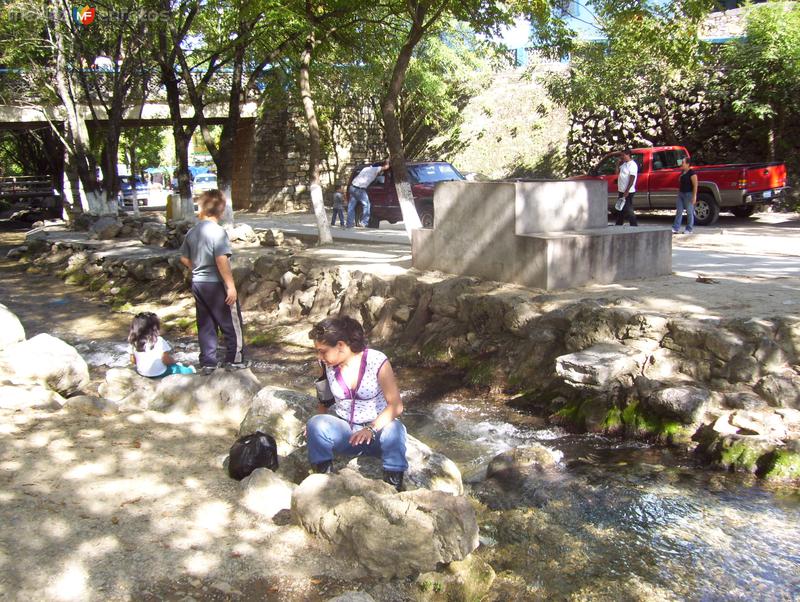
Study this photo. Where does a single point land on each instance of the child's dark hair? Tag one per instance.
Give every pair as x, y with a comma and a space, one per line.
332, 330
144, 330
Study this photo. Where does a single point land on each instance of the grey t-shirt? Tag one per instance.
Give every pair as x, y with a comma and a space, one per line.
205, 242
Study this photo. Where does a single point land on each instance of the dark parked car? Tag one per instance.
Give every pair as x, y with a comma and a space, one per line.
383, 196
126, 187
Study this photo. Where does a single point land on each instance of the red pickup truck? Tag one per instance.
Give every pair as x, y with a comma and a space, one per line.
383, 196
739, 188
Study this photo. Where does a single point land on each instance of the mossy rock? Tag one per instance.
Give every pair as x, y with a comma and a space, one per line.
464, 580
781, 465
263, 338
738, 453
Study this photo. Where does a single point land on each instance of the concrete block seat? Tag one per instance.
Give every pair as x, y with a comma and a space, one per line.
547, 235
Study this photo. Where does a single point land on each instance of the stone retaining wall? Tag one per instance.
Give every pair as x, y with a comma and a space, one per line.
728, 388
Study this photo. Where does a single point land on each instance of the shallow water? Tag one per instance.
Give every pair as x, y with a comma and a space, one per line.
616, 520
619, 520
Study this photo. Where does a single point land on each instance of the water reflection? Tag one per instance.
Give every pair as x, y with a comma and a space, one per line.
619, 520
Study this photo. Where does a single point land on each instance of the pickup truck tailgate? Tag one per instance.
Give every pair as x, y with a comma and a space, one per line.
764, 177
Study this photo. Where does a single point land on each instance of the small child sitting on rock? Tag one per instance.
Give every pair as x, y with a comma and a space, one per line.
149, 352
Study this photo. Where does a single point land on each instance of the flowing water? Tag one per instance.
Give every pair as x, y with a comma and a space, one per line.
615, 520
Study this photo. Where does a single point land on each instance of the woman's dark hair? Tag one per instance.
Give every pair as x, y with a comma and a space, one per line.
144, 330
332, 330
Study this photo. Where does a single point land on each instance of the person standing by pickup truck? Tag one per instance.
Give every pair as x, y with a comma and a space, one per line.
687, 198
358, 192
626, 185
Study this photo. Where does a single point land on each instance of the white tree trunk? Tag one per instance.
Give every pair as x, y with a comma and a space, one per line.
317, 202
407, 207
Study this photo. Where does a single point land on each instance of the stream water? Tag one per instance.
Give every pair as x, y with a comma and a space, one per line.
616, 520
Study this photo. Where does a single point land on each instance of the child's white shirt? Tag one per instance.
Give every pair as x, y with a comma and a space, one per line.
149, 362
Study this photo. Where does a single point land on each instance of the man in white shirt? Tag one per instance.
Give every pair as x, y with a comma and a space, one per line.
358, 192
626, 186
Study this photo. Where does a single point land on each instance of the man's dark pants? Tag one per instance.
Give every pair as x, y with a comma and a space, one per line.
627, 211
214, 314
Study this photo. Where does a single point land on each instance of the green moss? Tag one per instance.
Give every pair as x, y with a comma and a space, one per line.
99, 283
263, 338
782, 465
572, 416
612, 421
182, 324
121, 305
480, 375
78, 278
738, 455
434, 352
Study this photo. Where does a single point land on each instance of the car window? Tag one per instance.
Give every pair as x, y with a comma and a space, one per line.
434, 172
668, 159
608, 166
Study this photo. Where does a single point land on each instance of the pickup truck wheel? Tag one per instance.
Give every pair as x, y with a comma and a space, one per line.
373, 222
426, 217
706, 211
743, 211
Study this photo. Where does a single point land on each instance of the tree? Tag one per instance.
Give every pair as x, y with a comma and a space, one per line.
763, 68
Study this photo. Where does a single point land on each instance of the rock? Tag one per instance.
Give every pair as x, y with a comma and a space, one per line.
21, 397
11, 329
598, 366
272, 238
242, 232
723, 426
782, 465
227, 392
790, 416
406, 289
467, 579
126, 386
427, 469
352, 597
154, 234
389, 534
741, 400
91, 405
684, 402
780, 391
17, 252
281, 413
736, 452
46, 360
512, 464
766, 424
105, 228
266, 493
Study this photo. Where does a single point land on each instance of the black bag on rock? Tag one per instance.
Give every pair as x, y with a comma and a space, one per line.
324, 394
258, 450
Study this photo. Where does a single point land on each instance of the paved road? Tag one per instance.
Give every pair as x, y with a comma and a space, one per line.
767, 246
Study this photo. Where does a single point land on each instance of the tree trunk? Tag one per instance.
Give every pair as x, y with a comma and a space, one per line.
394, 137
182, 135
76, 134
317, 203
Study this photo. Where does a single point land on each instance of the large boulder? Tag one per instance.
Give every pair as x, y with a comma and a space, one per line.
90, 405
45, 360
126, 386
266, 493
685, 403
21, 397
279, 412
11, 329
221, 391
389, 534
599, 366
105, 228
518, 461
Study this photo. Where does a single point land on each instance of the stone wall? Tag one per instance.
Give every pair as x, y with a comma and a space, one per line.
280, 155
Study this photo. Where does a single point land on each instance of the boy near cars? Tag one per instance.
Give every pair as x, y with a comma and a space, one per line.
206, 251
338, 206
358, 192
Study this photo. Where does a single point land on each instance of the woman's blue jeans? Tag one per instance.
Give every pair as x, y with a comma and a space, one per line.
329, 435
684, 202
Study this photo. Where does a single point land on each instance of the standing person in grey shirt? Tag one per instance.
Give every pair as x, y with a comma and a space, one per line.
338, 206
206, 251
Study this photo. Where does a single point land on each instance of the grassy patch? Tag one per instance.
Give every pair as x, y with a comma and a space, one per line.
263, 337
182, 324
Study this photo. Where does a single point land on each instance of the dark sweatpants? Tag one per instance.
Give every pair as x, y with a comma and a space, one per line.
214, 314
